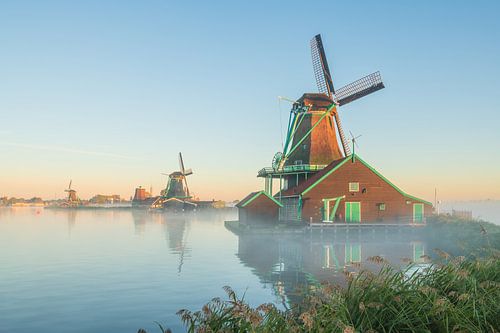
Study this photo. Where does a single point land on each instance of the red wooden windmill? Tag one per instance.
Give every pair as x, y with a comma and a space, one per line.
314, 127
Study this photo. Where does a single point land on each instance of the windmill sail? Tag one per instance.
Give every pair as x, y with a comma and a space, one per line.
359, 88
321, 69
343, 140
181, 166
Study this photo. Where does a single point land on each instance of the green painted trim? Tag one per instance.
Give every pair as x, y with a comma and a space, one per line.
327, 112
324, 176
326, 203
373, 170
258, 194
299, 208
325, 209
389, 182
291, 135
335, 207
290, 131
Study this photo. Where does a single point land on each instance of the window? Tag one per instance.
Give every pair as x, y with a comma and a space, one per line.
381, 206
353, 187
298, 162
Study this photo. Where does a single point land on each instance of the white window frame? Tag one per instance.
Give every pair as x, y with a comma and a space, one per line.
353, 186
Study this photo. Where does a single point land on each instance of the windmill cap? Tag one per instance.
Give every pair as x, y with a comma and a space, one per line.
316, 99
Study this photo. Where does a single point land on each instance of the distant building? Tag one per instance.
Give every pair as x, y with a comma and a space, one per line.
463, 214
141, 194
105, 199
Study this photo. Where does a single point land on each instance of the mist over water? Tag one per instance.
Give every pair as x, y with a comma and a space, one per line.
117, 271
487, 210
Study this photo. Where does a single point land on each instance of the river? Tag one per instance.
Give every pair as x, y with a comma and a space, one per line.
120, 270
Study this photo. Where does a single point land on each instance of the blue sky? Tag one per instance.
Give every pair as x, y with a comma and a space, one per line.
108, 92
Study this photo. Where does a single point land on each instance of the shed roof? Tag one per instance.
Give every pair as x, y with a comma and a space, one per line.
309, 184
254, 195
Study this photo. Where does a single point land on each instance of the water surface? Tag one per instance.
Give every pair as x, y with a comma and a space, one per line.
117, 271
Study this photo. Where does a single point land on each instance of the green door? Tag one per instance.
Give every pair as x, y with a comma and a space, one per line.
353, 211
418, 212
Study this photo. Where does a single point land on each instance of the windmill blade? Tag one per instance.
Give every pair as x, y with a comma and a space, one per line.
360, 88
187, 187
320, 66
188, 172
69, 186
343, 140
181, 163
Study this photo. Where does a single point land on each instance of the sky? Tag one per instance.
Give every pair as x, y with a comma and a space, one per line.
106, 93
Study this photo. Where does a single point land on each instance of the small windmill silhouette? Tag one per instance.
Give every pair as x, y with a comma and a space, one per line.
72, 198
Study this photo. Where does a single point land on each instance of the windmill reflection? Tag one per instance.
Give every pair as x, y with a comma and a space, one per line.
176, 228
292, 264
176, 232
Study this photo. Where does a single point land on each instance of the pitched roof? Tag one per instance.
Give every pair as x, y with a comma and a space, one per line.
309, 184
254, 195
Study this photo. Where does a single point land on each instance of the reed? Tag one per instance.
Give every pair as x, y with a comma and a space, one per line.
457, 296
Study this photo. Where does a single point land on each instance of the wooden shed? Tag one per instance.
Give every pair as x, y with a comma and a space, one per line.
258, 207
350, 190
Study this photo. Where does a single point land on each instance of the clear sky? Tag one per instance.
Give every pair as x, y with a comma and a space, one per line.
108, 92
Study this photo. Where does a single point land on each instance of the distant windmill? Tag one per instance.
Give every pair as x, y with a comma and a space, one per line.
72, 198
177, 186
344, 95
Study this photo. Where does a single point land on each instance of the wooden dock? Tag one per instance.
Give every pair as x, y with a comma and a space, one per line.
361, 226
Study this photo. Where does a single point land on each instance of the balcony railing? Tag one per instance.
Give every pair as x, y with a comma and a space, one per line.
264, 172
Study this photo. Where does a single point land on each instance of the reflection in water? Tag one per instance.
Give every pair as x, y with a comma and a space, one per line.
140, 218
176, 232
291, 264
71, 220
119, 267
175, 226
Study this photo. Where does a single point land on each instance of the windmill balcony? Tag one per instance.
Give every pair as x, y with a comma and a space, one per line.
289, 169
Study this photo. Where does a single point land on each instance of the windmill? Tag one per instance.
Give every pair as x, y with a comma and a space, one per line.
347, 94
177, 186
314, 127
72, 198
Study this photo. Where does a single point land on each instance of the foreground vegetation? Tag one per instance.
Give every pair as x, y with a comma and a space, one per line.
454, 294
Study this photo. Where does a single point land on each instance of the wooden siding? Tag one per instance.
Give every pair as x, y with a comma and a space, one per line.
321, 145
261, 209
373, 191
